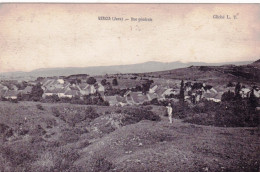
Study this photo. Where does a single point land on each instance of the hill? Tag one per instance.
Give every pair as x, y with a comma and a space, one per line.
249, 73
73, 138
151, 66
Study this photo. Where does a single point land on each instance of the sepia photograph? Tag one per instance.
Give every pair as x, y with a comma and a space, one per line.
128, 87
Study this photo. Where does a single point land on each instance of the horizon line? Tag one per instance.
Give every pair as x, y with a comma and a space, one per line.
128, 64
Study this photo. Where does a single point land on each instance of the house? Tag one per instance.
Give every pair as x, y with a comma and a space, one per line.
138, 97
60, 81
27, 90
60, 92
45, 81
71, 93
51, 84
11, 94
2, 93
48, 93
112, 100
187, 86
121, 100
151, 96
127, 93
152, 90
257, 93
100, 88
216, 97
14, 87
245, 92
212, 90
86, 89
160, 92
3, 87
168, 92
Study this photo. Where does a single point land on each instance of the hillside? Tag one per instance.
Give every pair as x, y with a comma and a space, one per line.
73, 138
102, 70
214, 74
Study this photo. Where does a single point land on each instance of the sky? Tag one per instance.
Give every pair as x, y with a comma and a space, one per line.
36, 36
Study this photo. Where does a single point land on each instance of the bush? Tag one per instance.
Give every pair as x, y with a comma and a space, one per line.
230, 84
39, 106
91, 113
227, 96
102, 165
50, 123
114, 82
134, 115
55, 112
69, 136
3, 128
235, 113
36, 93
13, 100
91, 80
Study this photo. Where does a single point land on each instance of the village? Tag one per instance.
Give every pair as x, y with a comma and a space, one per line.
116, 90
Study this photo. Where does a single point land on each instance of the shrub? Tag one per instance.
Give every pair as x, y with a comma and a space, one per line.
91, 80
36, 93
69, 136
102, 165
50, 123
79, 117
134, 115
114, 82
235, 113
39, 106
227, 96
18, 155
14, 100
55, 112
230, 84
104, 82
3, 128
91, 113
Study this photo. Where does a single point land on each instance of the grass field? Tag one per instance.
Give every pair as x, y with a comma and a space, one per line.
64, 137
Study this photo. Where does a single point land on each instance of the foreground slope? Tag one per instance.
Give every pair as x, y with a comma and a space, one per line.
160, 146
57, 137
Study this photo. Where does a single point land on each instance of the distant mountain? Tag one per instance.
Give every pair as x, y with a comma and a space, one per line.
151, 66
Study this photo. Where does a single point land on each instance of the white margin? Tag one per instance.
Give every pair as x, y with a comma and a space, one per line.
130, 1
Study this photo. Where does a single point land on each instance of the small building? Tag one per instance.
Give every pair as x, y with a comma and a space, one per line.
60, 81
11, 94
71, 93
2, 93
245, 92
112, 100
152, 90
27, 90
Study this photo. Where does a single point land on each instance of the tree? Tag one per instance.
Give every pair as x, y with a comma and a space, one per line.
182, 91
227, 96
237, 91
230, 84
252, 100
19, 96
37, 92
91, 80
78, 81
146, 86
104, 82
114, 82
